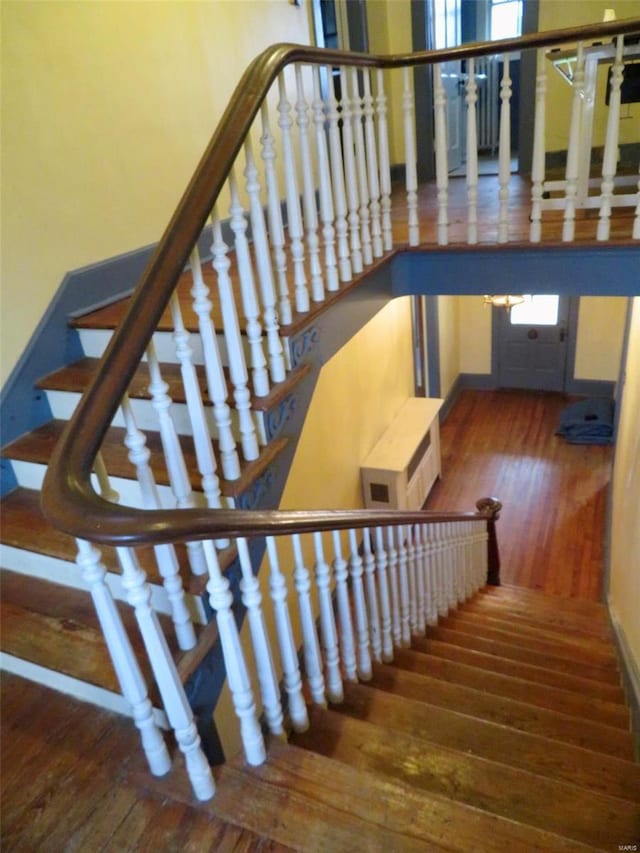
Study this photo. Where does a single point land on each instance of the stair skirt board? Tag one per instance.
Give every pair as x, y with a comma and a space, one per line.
630, 673
53, 569
74, 687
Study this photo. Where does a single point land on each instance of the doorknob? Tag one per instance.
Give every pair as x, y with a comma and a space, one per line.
532, 334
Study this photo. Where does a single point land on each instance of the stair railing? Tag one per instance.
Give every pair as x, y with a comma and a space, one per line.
322, 155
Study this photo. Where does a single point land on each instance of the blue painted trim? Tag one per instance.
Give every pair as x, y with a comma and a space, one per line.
591, 387
433, 345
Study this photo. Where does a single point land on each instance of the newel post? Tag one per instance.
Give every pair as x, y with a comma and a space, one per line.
492, 506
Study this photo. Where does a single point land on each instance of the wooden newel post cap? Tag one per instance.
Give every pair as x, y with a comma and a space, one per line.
490, 505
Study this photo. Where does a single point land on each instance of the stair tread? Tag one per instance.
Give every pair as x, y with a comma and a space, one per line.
25, 527
563, 808
76, 377
540, 643
536, 674
37, 446
519, 653
520, 715
313, 803
456, 729
520, 689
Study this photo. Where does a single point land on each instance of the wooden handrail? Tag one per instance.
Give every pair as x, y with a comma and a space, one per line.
69, 500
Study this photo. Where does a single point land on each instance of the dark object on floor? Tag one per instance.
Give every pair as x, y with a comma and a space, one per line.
588, 422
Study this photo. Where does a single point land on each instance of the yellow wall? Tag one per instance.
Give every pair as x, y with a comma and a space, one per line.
475, 348
106, 110
624, 586
556, 14
601, 323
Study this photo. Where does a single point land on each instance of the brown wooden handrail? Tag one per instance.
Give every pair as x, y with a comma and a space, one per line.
69, 500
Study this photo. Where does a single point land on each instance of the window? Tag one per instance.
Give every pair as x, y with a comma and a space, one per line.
506, 19
536, 311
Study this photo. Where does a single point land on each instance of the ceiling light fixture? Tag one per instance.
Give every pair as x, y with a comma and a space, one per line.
505, 300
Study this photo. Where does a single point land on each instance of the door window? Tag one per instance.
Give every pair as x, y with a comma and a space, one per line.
538, 310
506, 19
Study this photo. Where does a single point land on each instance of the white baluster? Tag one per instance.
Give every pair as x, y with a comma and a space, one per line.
274, 211
357, 116
251, 309
104, 484
421, 612
308, 191
538, 157
573, 150
123, 657
166, 558
403, 575
360, 609
410, 158
442, 166
375, 630
636, 222
174, 459
610, 156
347, 643
216, 382
167, 678
392, 574
385, 604
430, 578
288, 655
472, 154
351, 179
337, 179
412, 573
324, 186
233, 340
372, 166
327, 623
310, 645
294, 216
221, 600
252, 600
504, 152
384, 160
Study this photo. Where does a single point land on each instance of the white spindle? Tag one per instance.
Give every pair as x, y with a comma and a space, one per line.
327, 623
265, 271
166, 558
573, 149
252, 600
416, 583
430, 577
308, 191
441, 571
372, 166
610, 156
442, 166
538, 157
123, 657
294, 217
216, 382
337, 180
504, 152
357, 117
310, 644
104, 483
288, 655
385, 603
233, 340
375, 630
174, 459
450, 553
360, 609
385, 162
403, 576
167, 678
221, 600
392, 574
350, 174
472, 154
325, 192
274, 212
346, 635
251, 309
410, 158
421, 611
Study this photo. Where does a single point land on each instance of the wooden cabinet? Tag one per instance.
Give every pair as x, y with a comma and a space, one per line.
404, 464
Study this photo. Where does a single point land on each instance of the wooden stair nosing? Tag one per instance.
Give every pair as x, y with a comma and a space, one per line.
512, 687
37, 447
455, 729
560, 807
593, 610
517, 653
606, 659
520, 715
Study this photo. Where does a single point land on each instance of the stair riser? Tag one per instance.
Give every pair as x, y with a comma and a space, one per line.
95, 341
65, 573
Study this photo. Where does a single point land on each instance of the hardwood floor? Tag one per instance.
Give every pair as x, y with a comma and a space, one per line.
551, 529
